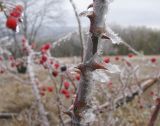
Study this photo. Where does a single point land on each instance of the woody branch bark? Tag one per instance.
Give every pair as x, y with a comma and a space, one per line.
83, 96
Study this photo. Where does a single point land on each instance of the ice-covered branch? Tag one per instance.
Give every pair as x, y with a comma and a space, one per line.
79, 26
84, 91
42, 112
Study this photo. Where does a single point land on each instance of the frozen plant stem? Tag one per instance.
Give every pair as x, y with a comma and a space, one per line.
41, 109
154, 114
84, 91
79, 27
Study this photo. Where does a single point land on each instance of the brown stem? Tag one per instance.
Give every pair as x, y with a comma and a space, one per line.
155, 114
8, 115
84, 91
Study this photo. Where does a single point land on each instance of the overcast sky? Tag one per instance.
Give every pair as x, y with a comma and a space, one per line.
124, 12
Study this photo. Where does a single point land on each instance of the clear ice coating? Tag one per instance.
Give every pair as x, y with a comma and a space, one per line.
89, 116
115, 39
112, 68
101, 76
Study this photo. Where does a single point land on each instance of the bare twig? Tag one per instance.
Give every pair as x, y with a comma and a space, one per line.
79, 27
7, 115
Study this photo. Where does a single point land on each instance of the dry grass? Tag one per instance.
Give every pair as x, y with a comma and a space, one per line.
17, 97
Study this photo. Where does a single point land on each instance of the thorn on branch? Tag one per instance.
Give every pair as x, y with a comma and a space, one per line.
90, 6
104, 36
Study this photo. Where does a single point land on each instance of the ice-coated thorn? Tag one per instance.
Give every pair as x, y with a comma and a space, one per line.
91, 5
97, 66
77, 70
104, 36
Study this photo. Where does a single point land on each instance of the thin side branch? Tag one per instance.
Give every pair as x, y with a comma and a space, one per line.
7, 115
155, 114
79, 27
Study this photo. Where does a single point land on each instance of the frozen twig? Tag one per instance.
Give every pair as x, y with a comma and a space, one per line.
42, 112
120, 101
7, 115
84, 91
155, 114
79, 26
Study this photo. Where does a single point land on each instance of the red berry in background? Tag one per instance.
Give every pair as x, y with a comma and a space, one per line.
50, 89
15, 14
77, 77
17, 11
130, 55
43, 59
43, 51
64, 91
106, 60
117, 58
153, 60
128, 63
56, 65
11, 58
47, 46
151, 93
42, 93
19, 8
12, 23
43, 88
67, 95
66, 84
55, 73
41, 62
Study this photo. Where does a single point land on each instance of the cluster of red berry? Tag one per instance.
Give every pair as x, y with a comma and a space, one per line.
130, 55
65, 91
44, 89
153, 60
14, 17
